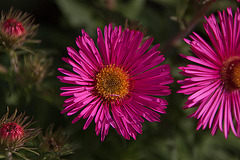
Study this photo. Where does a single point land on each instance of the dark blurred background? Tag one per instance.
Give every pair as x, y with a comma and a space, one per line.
61, 21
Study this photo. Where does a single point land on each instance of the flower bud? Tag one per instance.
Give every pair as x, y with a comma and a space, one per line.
34, 70
55, 143
15, 133
11, 131
13, 28
16, 28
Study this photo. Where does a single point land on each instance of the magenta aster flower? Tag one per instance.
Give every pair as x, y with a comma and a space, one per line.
214, 83
116, 84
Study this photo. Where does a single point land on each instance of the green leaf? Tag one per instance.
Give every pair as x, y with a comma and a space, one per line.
30, 150
78, 14
2, 156
20, 155
132, 9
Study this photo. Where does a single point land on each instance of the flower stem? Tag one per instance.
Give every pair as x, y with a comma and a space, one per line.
198, 16
9, 155
14, 60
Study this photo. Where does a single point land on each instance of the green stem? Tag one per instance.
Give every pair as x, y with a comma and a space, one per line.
14, 60
9, 156
198, 16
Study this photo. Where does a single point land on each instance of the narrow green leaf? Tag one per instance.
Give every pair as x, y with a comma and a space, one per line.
30, 150
20, 155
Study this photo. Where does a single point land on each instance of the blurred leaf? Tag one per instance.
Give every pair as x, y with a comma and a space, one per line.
2, 156
132, 10
168, 2
78, 14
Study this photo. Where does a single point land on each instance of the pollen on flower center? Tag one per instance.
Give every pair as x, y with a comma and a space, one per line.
112, 83
231, 73
13, 27
11, 131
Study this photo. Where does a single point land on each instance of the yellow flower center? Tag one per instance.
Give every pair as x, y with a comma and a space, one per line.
231, 73
112, 83
236, 75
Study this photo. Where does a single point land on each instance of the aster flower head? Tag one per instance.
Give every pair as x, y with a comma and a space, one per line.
16, 28
214, 83
15, 131
116, 84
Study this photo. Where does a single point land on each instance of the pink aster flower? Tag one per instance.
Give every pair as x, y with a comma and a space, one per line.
214, 83
116, 84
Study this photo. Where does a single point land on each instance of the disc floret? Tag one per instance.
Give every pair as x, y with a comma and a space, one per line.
230, 73
112, 83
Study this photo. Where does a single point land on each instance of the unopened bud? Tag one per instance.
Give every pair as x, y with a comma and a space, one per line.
11, 131
13, 28
16, 28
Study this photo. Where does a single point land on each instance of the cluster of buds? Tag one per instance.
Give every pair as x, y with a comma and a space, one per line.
16, 28
55, 144
15, 133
